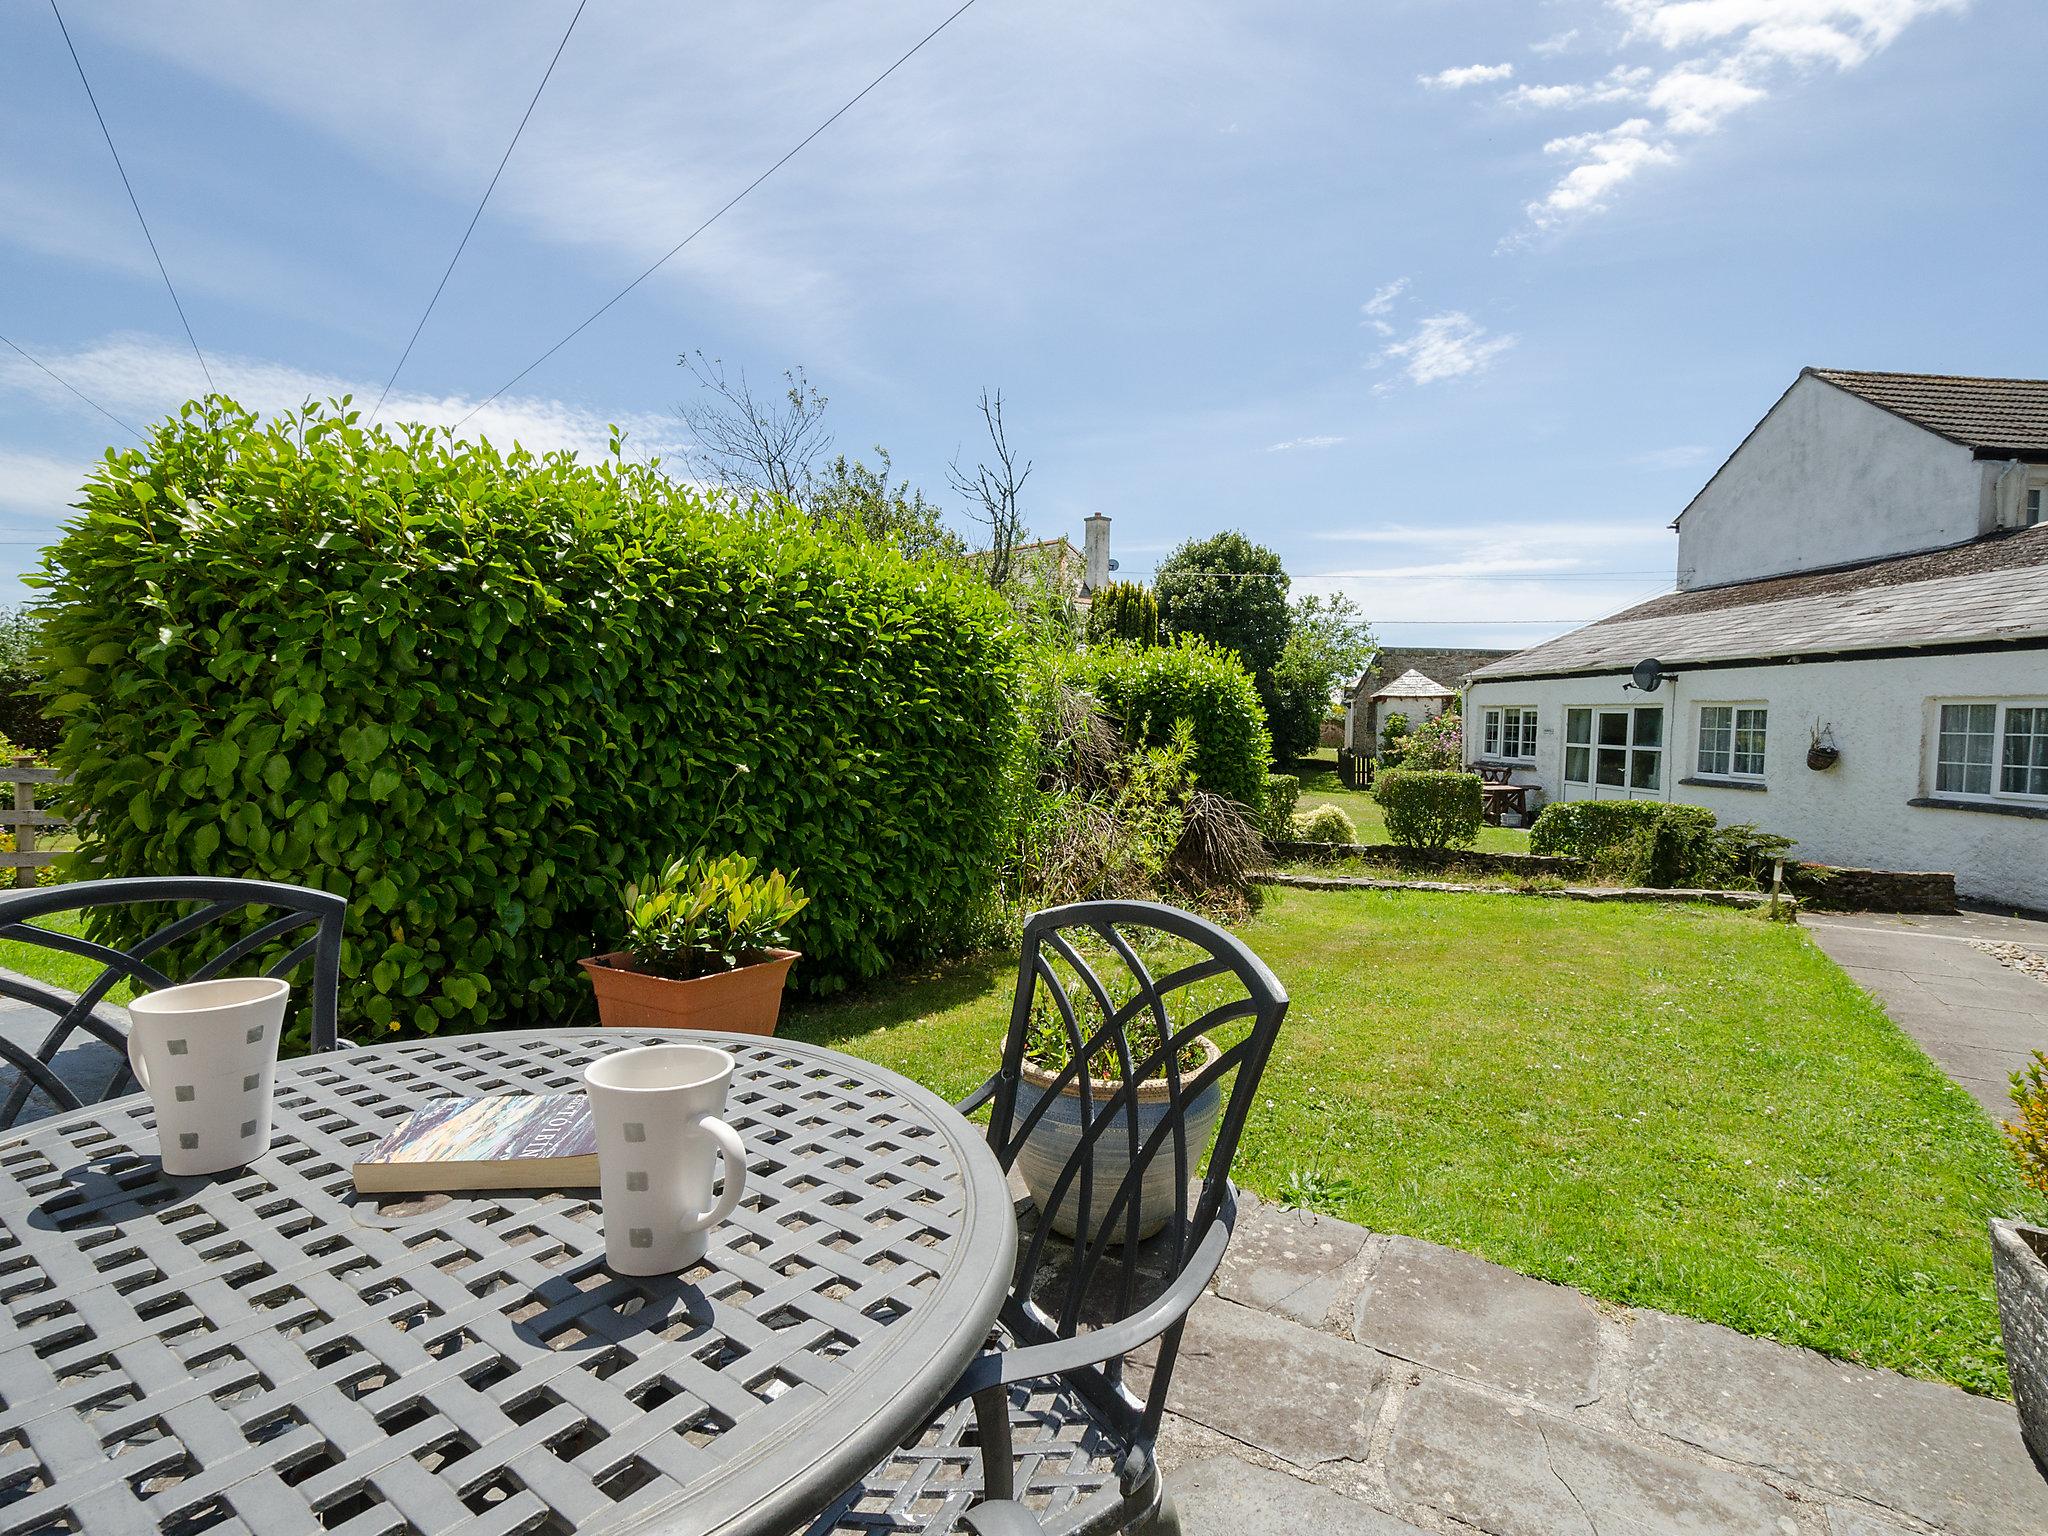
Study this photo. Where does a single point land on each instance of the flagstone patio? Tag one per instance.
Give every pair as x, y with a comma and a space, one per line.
1344, 1380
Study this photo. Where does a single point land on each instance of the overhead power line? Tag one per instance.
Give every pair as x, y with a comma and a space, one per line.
546, 75
169, 287
88, 399
851, 103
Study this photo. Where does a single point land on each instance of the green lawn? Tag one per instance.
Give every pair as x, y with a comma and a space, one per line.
1672, 1107
74, 973
1319, 786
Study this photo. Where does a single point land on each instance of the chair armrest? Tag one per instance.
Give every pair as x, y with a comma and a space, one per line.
980, 1096
1004, 1519
999, 1368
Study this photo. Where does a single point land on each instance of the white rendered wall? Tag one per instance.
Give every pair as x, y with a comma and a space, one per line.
1827, 479
1856, 813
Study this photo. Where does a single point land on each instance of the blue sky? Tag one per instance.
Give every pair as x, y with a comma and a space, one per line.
1454, 302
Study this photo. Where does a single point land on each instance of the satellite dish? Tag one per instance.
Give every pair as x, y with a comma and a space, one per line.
1648, 676
1116, 565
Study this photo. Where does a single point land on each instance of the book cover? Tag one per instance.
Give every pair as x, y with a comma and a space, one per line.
506, 1141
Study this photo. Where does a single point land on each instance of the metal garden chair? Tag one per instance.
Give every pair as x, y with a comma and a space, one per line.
1065, 1441
86, 1013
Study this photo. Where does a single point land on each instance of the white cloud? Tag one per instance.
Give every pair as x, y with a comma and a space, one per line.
1622, 83
1467, 74
1604, 161
1557, 43
1381, 304
1730, 55
1304, 442
151, 376
38, 485
1445, 346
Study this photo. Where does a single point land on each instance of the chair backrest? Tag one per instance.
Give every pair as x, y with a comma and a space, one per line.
1084, 976
1494, 773
197, 903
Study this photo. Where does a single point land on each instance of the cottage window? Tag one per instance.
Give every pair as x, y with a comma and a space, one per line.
1732, 740
1578, 746
1511, 733
1993, 749
1622, 749
2036, 495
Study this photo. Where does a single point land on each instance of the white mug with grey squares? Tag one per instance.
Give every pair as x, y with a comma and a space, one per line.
206, 1053
660, 1138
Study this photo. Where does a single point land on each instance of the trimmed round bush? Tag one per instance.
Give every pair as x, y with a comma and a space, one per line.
1430, 810
1150, 688
478, 692
1325, 824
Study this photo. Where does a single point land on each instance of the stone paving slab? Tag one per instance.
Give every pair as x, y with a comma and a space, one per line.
1233, 1498
1446, 1395
1468, 1318
1513, 1471
1923, 1449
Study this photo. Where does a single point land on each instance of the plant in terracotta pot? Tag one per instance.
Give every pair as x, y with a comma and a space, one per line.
1050, 1144
2019, 1264
706, 948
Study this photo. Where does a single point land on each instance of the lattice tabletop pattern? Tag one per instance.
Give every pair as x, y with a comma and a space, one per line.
262, 1351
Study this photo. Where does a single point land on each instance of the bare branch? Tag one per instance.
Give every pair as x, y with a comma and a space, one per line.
755, 442
994, 488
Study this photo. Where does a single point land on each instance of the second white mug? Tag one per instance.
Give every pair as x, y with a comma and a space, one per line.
659, 1140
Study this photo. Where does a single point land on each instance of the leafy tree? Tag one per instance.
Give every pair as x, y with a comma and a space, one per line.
851, 497
1327, 640
1124, 610
1232, 593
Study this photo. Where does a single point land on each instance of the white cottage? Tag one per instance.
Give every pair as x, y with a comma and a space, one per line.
1867, 573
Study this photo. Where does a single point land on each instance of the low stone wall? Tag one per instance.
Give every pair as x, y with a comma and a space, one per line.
1462, 861
1876, 890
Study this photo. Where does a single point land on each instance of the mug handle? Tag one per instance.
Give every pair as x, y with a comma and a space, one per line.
135, 1061
735, 1153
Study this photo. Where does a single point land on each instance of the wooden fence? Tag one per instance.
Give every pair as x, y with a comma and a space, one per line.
25, 821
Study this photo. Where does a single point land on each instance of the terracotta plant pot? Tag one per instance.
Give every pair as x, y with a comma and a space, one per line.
1053, 1140
747, 1001
2019, 1266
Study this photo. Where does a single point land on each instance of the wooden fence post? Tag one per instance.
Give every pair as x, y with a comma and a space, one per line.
24, 823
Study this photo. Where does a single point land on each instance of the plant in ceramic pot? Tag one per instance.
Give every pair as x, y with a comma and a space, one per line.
706, 948
2019, 1264
1051, 1143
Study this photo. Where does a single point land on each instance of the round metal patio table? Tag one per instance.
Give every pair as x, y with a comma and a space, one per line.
265, 1351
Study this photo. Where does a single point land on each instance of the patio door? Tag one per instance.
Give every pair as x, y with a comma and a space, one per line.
1614, 753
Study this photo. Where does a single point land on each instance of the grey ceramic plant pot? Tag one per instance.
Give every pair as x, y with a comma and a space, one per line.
2019, 1266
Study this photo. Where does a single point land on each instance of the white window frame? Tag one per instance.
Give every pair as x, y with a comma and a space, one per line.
1727, 749
1505, 723
1632, 748
2000, 767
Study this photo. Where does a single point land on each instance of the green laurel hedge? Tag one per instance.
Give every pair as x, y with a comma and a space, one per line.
1430, 809
1148, 688
477, 692
1646, 842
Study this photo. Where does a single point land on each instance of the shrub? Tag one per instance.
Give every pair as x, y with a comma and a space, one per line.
1283, 791
1325, 824
1124, 610
1219, 845
1646, 842
1149, 689
478, 692
1437, 745
1428, 810
2027, 1133
701, 916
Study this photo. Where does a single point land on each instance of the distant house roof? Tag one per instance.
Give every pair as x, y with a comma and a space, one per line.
1993, 590
1413, 685
1999, 418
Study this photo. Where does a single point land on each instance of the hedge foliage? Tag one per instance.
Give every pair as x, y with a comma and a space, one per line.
1646, 842
1124, 610
1149, 688
1325, 824
1430, 810
1283, 792
479, 692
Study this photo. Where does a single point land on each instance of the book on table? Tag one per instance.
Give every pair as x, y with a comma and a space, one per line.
505, 1141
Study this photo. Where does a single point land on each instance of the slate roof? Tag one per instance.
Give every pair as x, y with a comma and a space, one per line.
1413, 685
1997, 417
1988, 591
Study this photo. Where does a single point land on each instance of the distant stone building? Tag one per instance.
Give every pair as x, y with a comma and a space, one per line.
1447, 668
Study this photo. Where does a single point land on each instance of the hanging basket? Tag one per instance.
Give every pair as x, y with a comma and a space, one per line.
1820, 758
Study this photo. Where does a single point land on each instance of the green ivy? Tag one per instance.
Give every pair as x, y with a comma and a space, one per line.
479, 692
